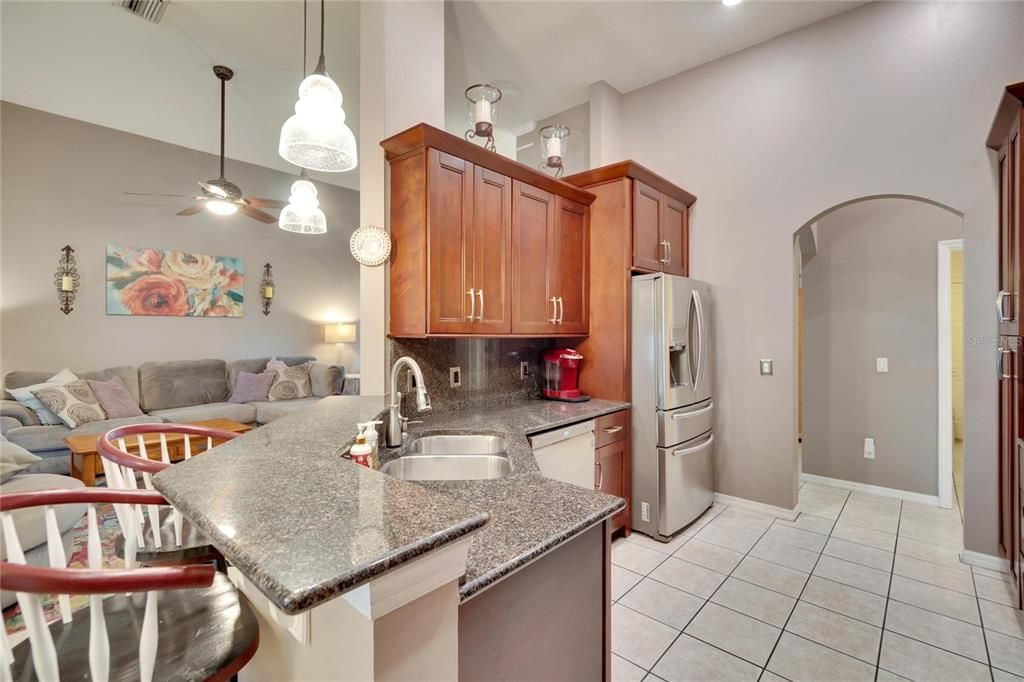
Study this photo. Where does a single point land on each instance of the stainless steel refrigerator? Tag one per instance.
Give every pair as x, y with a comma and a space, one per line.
673, 443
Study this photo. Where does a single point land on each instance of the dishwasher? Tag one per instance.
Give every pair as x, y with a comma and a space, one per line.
566, 454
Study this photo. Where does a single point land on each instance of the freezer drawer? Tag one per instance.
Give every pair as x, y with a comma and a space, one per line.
686, 480
686, 423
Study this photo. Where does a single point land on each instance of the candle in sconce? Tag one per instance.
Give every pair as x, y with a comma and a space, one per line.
67, 283
483, 111
553, 147
268, 292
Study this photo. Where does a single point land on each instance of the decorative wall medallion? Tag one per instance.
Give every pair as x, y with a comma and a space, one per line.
267, 287
175, 283
66, 279
370, 245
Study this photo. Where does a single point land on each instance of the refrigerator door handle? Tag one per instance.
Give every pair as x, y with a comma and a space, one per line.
702, 336
695, 413
694, 448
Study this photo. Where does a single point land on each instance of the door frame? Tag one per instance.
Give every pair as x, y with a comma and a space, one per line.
946, 248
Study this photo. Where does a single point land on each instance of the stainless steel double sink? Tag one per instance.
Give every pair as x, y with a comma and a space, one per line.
452, 457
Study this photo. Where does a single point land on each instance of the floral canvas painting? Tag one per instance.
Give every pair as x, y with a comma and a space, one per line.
152, 282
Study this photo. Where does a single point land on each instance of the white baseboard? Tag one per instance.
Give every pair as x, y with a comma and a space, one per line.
906, 495
992, 563
760, 507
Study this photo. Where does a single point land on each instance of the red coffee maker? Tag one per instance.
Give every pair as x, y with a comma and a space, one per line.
561, 375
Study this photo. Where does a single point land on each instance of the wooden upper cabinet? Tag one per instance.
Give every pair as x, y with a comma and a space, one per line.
483, 245
451, 243
675, 236
570, 262
648, 249
534, 303
1005, 138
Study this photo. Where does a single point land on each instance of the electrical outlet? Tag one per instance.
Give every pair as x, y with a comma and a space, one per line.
767, 368
454, 377
881, 365
645, 511
869, 448
524, 370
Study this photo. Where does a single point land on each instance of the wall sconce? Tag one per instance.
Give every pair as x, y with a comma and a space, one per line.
339, 333
66, 279
267, 288
554, 145
483, 101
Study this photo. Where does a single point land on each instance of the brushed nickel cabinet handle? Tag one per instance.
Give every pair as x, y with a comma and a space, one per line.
480, 316
472, 304
561, 310
554, 310
668, 256
613, 429
1001, 306
665, 247
600, 476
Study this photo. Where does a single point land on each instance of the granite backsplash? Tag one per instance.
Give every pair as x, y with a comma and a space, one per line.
489, 368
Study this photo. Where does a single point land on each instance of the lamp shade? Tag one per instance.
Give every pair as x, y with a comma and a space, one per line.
303, 214
316, 136
339, 332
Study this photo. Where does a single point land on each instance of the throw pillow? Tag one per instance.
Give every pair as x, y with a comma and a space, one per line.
291, 383
13, 458
250, 387
273, 363
115, 399
74, 403
26, 397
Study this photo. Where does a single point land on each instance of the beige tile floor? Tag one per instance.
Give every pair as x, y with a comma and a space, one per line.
858, 587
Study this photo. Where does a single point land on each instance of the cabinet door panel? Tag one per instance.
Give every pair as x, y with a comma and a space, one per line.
1008, 434
571, 258
647, 250
675, 235
450, 243
611, 475
533, 217
492, 251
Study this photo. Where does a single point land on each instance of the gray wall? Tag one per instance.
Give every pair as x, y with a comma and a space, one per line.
888, 98
578, 158
63, 182
870, 291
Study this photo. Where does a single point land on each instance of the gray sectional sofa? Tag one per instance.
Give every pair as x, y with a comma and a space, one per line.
176, 391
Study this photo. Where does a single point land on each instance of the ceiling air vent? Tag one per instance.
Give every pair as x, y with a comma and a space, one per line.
150, 10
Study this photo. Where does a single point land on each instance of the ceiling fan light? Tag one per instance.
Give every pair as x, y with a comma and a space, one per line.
222, 207
316, 136
303, 214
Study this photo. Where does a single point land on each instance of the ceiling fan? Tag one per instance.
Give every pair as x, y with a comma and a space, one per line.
221, 196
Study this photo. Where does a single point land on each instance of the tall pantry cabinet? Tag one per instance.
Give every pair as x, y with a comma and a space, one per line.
1005, 139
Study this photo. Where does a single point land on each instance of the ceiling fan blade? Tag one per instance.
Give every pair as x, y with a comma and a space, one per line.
265, 203
191, 210
257, 214
154, 194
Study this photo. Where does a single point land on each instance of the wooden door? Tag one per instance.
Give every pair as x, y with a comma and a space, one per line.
674, 236
571, 257
450, 244
611, 475
492, 252
648, 252
533, 218
1008, 434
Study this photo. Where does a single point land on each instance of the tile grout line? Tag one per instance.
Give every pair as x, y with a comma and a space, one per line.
885, 613
984, 636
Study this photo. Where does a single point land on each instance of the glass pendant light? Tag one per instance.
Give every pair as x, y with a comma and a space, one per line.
316, 136
303, 214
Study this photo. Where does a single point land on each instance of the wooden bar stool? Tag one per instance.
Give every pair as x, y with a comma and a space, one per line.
166, 623
127, 452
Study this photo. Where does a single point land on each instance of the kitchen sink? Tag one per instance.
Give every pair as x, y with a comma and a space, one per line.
452, 458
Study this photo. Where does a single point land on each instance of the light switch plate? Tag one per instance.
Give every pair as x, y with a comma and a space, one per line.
767, 368
524, 370
454, 377
869, 448
881, 365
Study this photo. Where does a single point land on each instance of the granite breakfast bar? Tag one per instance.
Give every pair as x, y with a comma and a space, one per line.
300, 525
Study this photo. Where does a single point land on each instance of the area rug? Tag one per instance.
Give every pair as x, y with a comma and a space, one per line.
109, 533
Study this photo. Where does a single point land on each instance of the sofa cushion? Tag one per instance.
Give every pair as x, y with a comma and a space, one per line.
31, 523
13, 458
21, 379
246, 414
42, 438
181, 383
268, 411
326, 379
257, 365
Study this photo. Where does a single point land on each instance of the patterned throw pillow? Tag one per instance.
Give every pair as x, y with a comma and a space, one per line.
290, 383
75, 403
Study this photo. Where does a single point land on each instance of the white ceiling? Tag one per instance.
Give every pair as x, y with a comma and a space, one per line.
98, 63
544, 55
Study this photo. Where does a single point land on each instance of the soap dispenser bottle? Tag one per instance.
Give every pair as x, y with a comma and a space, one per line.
360, 452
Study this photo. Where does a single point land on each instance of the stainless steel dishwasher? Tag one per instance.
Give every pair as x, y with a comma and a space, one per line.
567, 454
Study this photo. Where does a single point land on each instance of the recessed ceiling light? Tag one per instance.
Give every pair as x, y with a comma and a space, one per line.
731, 3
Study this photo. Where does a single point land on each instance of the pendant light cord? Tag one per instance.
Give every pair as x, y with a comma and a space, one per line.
322, 4
223, 83
305, 24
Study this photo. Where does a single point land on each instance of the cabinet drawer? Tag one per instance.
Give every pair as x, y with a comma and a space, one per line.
611, 428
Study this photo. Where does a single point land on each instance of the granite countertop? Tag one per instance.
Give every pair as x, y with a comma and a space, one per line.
306, 525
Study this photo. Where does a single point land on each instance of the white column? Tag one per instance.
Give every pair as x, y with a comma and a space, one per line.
605, 124
401, 83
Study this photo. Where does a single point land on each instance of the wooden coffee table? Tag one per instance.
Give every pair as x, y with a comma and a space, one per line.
85, 458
